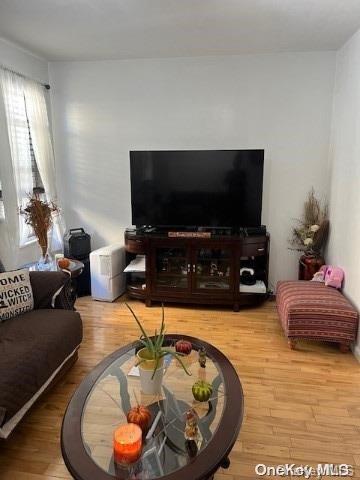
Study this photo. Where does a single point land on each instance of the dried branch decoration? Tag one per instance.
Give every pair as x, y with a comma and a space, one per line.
39, 215
312, 229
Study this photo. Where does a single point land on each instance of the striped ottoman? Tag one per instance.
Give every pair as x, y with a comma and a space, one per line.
313, 311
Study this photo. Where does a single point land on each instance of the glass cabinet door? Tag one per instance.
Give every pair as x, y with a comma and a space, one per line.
212, 270
172, 269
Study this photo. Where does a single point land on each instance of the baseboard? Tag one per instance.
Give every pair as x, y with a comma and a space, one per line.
356, 352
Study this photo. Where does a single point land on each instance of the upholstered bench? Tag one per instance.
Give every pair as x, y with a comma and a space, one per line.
310, 310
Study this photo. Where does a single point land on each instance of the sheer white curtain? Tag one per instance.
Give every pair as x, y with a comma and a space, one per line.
41, 139
24, 102
18, 132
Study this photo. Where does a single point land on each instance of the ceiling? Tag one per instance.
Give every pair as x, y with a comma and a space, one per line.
115, 29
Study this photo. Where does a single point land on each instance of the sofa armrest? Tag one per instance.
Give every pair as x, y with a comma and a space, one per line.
52, 290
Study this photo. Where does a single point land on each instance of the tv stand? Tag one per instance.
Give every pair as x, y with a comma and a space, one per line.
197, 270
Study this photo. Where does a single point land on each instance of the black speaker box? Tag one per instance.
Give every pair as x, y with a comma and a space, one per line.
77, 243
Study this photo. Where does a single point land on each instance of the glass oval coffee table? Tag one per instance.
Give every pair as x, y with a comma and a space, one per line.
103, 399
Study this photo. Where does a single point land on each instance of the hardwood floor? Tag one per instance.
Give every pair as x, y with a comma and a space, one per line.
301, 406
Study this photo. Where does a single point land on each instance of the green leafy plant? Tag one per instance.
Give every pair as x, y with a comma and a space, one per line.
154, 345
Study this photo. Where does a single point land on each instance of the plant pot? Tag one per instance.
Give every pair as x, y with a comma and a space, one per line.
150, 385
309, 265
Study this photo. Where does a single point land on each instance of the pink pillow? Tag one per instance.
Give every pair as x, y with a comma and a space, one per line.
334, 276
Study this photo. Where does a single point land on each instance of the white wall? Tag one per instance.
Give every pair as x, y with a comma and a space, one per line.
343, 249
281, 103
36, 68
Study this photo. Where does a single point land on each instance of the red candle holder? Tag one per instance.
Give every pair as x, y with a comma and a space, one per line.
127, 443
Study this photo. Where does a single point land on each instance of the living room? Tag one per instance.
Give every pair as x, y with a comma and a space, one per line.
278, 77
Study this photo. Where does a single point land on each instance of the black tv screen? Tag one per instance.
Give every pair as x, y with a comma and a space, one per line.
202, 188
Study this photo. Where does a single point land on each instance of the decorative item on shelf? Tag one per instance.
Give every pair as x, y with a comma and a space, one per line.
309, 236
202, 357
189, 234
150, 358
227, 273
63, 263
38, 215
141, 416
247, 276
183, 346
191, 426
165, 265
199, 269
202, 390
127, 443
213, 269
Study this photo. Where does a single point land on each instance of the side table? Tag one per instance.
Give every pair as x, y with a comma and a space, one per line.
74, 270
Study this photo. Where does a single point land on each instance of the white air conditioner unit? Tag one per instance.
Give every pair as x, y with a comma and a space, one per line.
107, 277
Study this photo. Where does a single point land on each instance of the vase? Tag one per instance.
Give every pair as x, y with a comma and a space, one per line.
45, 262
309, 264
150, 382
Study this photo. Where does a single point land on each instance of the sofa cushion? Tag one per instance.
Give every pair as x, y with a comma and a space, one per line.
315, 311
16, 295
32, 347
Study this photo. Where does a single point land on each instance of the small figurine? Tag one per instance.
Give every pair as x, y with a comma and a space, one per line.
221, 274
227, 273
191, 426
202, 357
213, 269
191, 448
199, 269
165, 265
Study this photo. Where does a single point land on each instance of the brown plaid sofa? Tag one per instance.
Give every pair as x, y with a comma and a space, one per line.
313, 311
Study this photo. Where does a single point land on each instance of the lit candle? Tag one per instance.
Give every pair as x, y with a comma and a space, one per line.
127, 443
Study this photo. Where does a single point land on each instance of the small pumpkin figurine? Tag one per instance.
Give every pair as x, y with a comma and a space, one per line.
141, 416
63, 263
202, 391
183, 347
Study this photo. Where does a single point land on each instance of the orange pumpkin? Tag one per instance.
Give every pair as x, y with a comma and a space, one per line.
63, 262
139, 415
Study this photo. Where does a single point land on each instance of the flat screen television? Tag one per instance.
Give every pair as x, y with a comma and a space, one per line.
200, 188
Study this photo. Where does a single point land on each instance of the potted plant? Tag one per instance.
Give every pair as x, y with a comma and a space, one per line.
310, 234
38, 214
150, 358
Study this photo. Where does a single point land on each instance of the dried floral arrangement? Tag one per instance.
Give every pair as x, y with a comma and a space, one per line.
312, 229
38, 214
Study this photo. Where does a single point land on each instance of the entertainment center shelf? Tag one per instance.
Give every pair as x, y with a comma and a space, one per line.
196, 270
